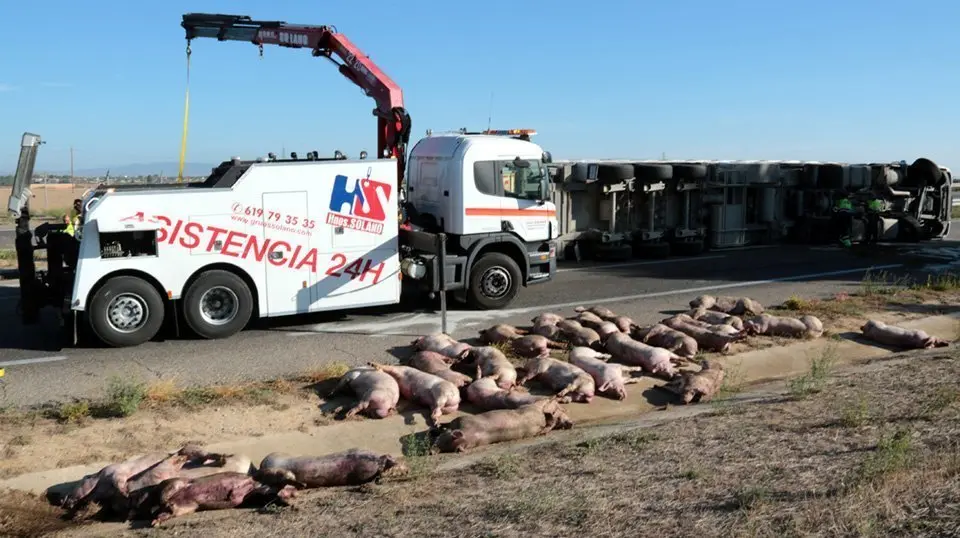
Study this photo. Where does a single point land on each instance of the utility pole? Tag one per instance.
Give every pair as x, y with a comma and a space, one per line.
71, 165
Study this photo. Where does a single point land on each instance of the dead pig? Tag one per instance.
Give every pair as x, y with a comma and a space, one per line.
654, 360
599, 311
547, 318
492, 363
804, 327
607, 328
440, 343
673, 340
498, 426
142, 500
501, 333
485, 394
706, 339
348, 468
440, 395
547, 330
534, 345
577, 334
699, 386
892, 335
608, 378
179, 496
436, 364
377, 391
714, 317
736, 306
108, 483
566, 379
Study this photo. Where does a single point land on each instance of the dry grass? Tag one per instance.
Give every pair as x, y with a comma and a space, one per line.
51, 200
875, 453
325, 372
24, 515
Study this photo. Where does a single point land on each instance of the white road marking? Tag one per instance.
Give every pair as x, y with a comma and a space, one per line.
459, 318
749, 247
34, 361
632, 264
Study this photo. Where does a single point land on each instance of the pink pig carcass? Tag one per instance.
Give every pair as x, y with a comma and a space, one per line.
610, 379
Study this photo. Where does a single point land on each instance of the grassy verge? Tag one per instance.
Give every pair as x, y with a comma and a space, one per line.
124, 397
880, 291
874, 453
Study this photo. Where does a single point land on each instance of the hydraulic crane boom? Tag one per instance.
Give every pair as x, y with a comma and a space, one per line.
393, 122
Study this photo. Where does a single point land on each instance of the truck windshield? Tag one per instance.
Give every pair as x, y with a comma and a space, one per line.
523, 181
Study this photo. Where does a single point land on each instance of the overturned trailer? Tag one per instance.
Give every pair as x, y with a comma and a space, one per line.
653, 209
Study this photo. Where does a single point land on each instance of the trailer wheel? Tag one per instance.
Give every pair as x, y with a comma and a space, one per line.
494, 281
614, 173
217, 304
690, 171
653, 173
126, 311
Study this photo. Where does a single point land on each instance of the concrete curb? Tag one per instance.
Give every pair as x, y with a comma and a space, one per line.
386, 435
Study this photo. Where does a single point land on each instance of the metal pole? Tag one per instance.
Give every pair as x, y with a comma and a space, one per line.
442, 238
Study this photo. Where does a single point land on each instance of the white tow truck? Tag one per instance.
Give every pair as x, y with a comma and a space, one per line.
276, 237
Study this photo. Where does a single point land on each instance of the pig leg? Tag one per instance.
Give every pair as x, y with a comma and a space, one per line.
362, 406
169, 512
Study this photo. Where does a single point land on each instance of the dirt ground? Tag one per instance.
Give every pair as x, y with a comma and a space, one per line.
774, 468
52, 198
873, 452
71, 433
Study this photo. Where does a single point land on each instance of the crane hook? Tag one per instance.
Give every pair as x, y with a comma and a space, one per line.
260, 46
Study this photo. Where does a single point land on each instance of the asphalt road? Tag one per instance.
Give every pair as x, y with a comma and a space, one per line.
37, 370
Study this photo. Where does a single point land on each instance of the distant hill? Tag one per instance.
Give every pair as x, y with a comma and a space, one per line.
168, 169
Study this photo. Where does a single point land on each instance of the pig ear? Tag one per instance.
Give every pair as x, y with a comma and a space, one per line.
457, 434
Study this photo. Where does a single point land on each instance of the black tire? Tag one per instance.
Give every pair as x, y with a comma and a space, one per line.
687, 248
116, 302
652, 173
225, 290
614, 173
612, 253
651, 251
924, 173
689, 171
491, 269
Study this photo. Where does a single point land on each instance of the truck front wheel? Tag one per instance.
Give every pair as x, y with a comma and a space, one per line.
494, 281
217, 304
126, 311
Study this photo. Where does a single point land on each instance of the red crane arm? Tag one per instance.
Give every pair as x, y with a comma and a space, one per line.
393, 121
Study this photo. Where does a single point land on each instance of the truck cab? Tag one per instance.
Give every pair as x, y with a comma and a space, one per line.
489, 192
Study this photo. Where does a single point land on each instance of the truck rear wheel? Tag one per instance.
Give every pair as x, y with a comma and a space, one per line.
126, 311
494, 281
218, 304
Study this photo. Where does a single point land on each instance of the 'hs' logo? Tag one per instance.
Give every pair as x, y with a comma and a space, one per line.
365, 200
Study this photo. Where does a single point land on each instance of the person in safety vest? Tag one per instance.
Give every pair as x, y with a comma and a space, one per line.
875, 206
843, 217
72, 219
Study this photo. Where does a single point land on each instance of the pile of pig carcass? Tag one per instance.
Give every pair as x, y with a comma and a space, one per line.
443, 371
160, 486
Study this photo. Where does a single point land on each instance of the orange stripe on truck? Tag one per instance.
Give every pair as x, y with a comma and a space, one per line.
497, 212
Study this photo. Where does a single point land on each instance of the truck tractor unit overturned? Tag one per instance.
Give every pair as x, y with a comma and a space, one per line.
613, 209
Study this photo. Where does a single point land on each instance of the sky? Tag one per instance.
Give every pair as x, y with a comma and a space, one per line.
853, 81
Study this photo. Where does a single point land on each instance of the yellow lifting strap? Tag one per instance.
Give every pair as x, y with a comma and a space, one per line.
186, 117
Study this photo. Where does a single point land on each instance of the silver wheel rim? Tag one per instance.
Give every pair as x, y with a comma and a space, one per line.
127, 313
219, 305
495, 282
